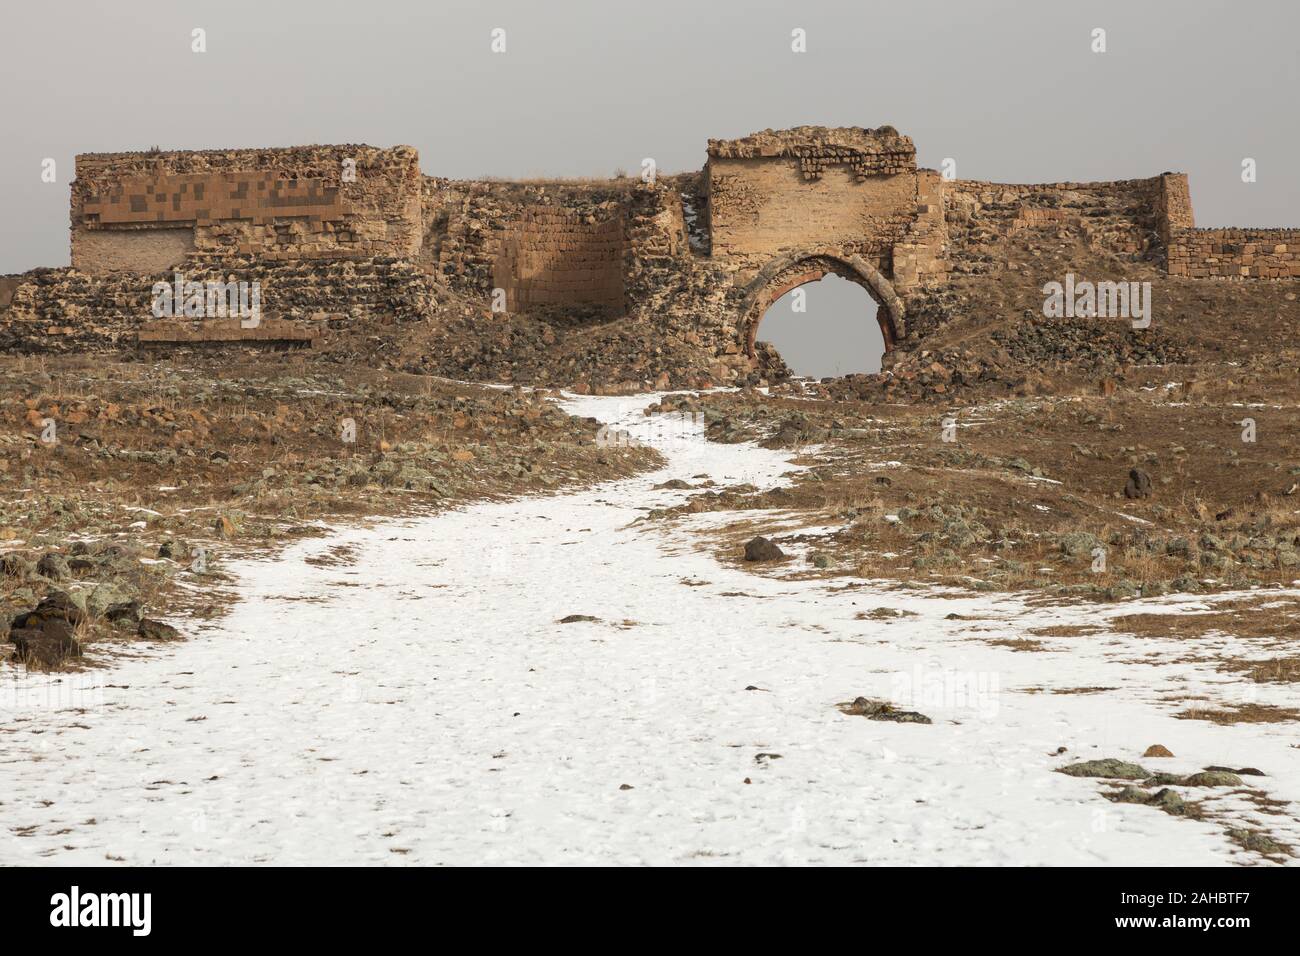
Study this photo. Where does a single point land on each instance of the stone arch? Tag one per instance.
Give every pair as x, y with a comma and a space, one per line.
808, 265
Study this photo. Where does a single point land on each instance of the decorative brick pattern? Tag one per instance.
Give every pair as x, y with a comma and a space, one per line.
278, 204
204, 198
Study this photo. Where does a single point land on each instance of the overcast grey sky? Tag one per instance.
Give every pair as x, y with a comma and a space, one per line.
1009, 89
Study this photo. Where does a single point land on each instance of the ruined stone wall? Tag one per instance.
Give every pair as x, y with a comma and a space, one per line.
555, 243
557, 257
61, 310
477, 231
678, 257
1235, 253
1121, 217
8, 285
148, 211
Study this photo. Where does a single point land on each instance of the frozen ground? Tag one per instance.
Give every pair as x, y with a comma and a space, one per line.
411, 698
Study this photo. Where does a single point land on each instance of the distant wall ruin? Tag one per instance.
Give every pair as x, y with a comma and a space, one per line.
349, 231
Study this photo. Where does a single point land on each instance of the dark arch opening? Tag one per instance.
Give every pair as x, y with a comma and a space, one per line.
838, 331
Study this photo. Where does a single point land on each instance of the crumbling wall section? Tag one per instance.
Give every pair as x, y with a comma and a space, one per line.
852, 190
1121, 217
1174, 205
63, 310
529, 237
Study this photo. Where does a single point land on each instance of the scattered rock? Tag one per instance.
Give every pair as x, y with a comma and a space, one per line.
761, 549
1212, 778
1242, 771
53, 566
57, 606
1138, 485
1157, 750
152, 630
47, 646
1107, 767
576, 618
882, 710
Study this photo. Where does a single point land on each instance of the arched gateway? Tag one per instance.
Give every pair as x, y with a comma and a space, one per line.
803, 266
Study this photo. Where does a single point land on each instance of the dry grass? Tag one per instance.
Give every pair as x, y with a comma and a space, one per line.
1067, 630
1205, 481
1242, 714
1277, 670
1268, 617
1017, 644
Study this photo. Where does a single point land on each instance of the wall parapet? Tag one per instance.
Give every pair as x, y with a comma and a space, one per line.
868, 152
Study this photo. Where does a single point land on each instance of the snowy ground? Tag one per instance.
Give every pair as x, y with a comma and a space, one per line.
417, 702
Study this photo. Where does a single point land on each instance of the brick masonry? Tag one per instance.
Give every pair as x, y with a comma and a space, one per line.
558, 257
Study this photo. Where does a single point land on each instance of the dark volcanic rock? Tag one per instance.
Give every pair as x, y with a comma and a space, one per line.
1108, 767
55, 607
49, 646
152, 630
1138, 485
53, 566
881, 710
761, 549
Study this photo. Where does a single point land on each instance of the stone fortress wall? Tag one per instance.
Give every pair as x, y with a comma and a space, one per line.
333, 232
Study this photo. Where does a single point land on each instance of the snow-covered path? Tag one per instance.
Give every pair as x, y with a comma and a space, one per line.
417, 702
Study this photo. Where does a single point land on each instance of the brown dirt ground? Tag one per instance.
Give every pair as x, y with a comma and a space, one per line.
243, 454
